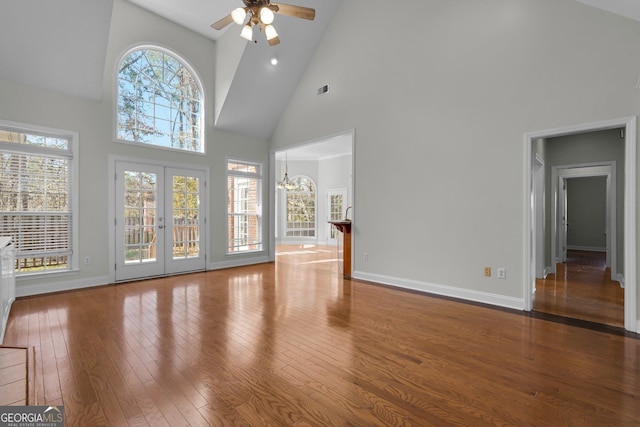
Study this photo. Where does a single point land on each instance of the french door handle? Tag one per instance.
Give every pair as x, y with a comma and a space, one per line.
161, 226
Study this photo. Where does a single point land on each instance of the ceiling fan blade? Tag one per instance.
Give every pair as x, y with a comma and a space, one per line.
274, 41
222, 23
296, 11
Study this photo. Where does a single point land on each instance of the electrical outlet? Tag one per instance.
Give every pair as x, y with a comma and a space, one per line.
366, 256
487, 271
502, 273
87, 260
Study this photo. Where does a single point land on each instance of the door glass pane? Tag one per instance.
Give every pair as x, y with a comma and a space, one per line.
140, 217
336, 212
185, 210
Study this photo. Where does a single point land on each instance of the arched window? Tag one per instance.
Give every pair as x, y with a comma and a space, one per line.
301, 208
159, 101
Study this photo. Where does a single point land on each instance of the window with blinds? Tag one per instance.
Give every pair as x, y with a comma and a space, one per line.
35, 198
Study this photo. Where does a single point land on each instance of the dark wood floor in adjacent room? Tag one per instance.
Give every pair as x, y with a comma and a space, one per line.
293, 344
582, 289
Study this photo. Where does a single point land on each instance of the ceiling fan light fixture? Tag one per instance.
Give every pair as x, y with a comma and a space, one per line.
247, 32
270, 32
261, 14
266, 15
238, 15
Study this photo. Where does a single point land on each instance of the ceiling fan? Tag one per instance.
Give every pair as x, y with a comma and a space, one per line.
261, 13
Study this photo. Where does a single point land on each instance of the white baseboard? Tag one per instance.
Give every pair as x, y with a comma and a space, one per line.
620, 279
444, 290
25, 290
586, 248
238, 262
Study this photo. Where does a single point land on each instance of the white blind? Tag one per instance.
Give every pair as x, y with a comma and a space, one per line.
35, 199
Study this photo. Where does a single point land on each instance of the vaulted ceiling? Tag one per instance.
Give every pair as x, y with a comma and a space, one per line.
32, 33
31, 36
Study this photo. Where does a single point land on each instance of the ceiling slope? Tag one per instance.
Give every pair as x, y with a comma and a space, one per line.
259, 92
33, 31
628, 8
252, 100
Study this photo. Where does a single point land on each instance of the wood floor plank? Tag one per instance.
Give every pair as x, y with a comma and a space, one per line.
295, 344
582, 289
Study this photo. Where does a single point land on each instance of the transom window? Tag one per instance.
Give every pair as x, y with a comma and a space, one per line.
159, 101
36, 194
244, 206
301, 208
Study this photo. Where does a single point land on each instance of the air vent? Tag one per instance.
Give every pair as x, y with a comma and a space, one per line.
322, 90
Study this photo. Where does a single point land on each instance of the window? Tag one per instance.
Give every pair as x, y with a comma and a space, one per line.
301, 208
36, 209
159, 101
186, 213
244, 206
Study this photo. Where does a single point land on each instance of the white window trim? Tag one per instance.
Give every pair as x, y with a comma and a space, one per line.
259, 176
115, 94
73, 149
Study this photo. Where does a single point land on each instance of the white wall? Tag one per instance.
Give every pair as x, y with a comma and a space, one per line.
93, 120
587, 207
440, 104
334, 173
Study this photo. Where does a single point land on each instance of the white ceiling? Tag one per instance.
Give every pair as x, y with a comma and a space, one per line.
336, 146
33, 31
197, 15
628, 8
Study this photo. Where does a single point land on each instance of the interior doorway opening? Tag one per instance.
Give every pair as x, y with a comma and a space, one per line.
328, 163
534, 149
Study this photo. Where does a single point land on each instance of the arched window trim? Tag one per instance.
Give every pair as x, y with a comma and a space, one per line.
116, 95
315, 215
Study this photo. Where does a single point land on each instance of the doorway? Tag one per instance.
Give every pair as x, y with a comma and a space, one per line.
596, 229
329, 163
158, 217
628, 272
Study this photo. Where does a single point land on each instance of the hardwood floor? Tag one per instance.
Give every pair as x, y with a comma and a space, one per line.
582, 289
294, 344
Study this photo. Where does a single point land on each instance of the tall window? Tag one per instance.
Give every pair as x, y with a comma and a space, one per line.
301, 208
244, 206
36, 197
159, 101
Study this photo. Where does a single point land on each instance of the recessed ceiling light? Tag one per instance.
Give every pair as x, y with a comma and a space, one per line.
274, 61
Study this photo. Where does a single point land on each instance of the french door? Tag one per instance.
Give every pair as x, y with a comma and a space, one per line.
336, 205
159, 222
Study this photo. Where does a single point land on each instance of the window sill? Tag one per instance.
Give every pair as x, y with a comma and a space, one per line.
258, 251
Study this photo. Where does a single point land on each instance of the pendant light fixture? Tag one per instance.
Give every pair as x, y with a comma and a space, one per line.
286, 183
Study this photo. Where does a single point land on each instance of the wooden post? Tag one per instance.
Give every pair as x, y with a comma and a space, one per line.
345, 228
